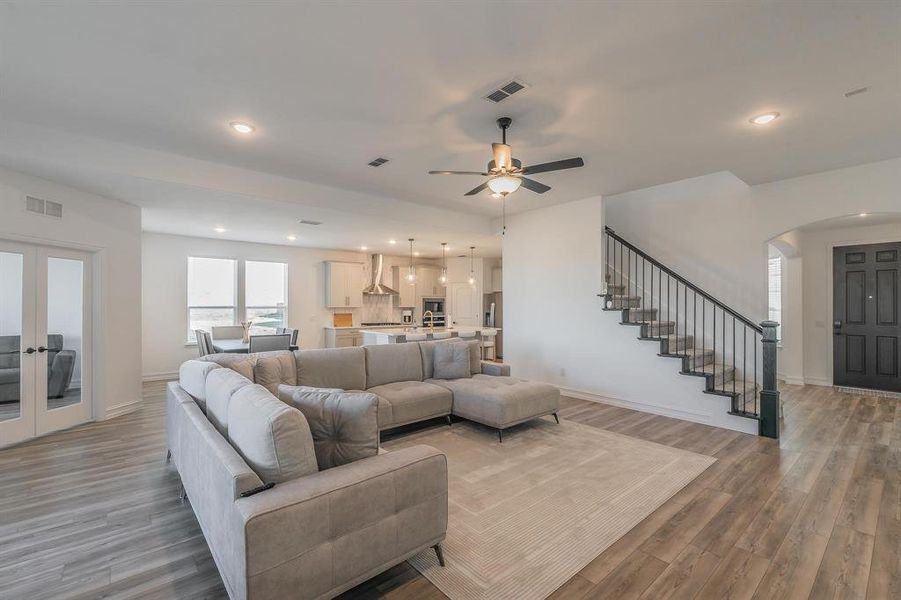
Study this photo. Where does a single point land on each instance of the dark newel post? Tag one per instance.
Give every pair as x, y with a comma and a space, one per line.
769, 395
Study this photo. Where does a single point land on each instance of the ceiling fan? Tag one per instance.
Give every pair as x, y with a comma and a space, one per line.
506, 174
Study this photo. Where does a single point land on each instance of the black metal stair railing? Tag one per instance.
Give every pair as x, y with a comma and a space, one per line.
713, 340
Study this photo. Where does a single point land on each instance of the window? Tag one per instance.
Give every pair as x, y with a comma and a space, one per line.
265, 293
774, 289
212, 297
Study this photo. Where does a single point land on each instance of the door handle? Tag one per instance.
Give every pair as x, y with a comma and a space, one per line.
41, 349
28, 351
837, 327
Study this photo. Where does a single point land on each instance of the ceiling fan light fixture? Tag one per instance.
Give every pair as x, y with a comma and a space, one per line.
504, 184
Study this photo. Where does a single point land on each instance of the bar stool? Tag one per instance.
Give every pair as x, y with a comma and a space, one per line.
488, 343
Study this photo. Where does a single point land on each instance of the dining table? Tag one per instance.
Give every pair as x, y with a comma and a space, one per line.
236, 346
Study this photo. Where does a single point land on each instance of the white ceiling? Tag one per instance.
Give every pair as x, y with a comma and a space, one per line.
120, 98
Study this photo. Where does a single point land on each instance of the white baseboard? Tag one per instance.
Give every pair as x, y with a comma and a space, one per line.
818, 381
793, 380
686, 415
123, 409
165, 376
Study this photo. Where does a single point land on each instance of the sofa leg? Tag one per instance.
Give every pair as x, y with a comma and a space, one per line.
168, 456
556, 418
440, 553
449, 420
500, 436
182, 492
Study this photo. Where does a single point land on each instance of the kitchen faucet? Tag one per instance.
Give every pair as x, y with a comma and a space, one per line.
431, 317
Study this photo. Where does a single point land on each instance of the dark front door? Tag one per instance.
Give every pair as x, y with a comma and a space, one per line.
867, 297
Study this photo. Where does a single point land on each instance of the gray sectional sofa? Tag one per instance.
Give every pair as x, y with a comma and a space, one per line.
279, 456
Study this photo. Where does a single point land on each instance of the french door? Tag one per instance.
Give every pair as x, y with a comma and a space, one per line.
45, 340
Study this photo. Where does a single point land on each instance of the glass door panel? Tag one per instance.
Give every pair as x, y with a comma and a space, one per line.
11, 266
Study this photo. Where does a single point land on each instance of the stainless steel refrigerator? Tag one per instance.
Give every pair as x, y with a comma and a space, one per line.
494, 317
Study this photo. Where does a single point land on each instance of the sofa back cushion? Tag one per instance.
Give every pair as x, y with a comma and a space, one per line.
221, 385
342, 368
451, 361
192, 375
9, 351
389, 363
242, 363
428, 361
275, 368
273, 438
344, 425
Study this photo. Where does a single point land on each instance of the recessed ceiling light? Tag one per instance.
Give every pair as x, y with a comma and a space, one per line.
364, 248
220, 229
292, 237
242, 127
392, 242
764, 118
863, 214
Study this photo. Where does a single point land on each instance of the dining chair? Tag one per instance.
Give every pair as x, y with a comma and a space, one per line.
204, 342
227, 332
441, 335
294, 333
267, 343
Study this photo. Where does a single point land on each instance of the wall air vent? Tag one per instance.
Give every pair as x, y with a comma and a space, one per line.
44, 207
505, 91
378, 162
309, 222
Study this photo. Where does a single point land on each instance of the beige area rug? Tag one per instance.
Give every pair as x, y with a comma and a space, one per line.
528, 514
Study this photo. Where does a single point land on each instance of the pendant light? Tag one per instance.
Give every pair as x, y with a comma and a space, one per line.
472, 273
443, 277
411, 273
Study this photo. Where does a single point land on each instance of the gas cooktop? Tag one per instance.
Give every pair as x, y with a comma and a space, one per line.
372, 324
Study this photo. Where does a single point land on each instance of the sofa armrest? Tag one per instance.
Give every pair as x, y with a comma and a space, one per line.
60, 373
495, 369
321, 532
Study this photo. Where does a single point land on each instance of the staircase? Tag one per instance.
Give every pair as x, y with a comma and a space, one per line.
735, 356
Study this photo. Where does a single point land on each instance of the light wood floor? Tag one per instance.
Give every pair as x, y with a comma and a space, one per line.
94, 512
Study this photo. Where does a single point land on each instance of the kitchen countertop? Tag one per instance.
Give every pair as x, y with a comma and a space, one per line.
396, 331
363, 327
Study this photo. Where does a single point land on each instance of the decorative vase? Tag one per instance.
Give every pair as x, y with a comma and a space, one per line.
246, 325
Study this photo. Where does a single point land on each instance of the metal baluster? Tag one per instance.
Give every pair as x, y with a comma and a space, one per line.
694, 324
675, 329
703, 332
668, 285
756, 392
744, 368
629, 276
723, 381
685, 320
733, 354
714, 343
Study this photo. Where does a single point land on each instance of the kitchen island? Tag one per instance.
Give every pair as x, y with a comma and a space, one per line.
404, 334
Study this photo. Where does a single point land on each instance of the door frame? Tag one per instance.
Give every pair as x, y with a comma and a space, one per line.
830, 298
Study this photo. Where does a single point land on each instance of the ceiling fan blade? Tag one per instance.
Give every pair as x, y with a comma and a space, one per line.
457, 173
534, 186
503, 156
475, 191
557, 165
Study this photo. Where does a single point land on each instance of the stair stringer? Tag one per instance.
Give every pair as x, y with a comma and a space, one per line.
640, 379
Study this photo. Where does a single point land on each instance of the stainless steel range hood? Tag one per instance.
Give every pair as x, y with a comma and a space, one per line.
376, 287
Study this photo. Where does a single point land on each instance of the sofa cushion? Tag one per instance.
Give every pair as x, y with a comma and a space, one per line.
451, 361
9, 375
412, 401
273, 437
343, 368
344, 426
221, 384
389, 363
275, 368
192, 376
500, 401
242, 363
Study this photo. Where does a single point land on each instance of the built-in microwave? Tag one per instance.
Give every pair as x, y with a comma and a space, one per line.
436, 305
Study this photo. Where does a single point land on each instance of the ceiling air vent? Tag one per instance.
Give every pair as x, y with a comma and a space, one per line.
44, 207
309, 222
505, 91
378, 162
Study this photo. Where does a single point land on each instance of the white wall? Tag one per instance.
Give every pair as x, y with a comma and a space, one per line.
556, 332
165, 260
713, 229
111, 230
10, 294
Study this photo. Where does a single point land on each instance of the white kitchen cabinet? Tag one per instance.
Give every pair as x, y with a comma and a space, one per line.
407, 292
343, 284
497, 279
427, 284
343, 338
